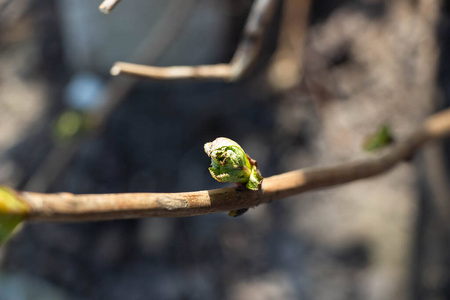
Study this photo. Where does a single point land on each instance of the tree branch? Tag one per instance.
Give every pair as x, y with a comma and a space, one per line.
69, 207
243, 59
108, 5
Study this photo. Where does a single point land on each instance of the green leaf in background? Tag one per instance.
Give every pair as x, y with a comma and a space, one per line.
12, 212
380, 139
69, 125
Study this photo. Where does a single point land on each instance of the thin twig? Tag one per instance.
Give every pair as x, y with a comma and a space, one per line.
69, 207
285, 69
243, 59
108, 5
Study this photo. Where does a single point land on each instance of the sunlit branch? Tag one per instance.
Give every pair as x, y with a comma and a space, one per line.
69, 207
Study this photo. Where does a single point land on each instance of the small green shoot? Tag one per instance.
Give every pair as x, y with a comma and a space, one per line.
229, 163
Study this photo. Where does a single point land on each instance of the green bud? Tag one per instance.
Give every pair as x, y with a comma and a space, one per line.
229, 163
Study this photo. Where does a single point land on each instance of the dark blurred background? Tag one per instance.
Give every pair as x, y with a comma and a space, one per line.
364, 63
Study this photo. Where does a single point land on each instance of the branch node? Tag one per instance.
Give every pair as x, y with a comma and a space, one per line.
115, 70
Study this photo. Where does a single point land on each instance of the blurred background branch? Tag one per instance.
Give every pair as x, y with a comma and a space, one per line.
244, 58
286, 65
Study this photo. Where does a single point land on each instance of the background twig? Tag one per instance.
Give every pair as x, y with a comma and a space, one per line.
243, 59
285, 69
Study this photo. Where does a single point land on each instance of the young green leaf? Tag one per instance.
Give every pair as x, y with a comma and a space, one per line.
229, 163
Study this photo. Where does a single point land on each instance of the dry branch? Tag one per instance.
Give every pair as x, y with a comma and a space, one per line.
243, 59
69, 207
108, 5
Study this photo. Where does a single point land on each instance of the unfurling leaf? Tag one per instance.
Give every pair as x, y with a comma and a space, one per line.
229, 163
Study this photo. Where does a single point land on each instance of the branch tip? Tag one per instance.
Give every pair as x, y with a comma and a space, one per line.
107, 6
115, 70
